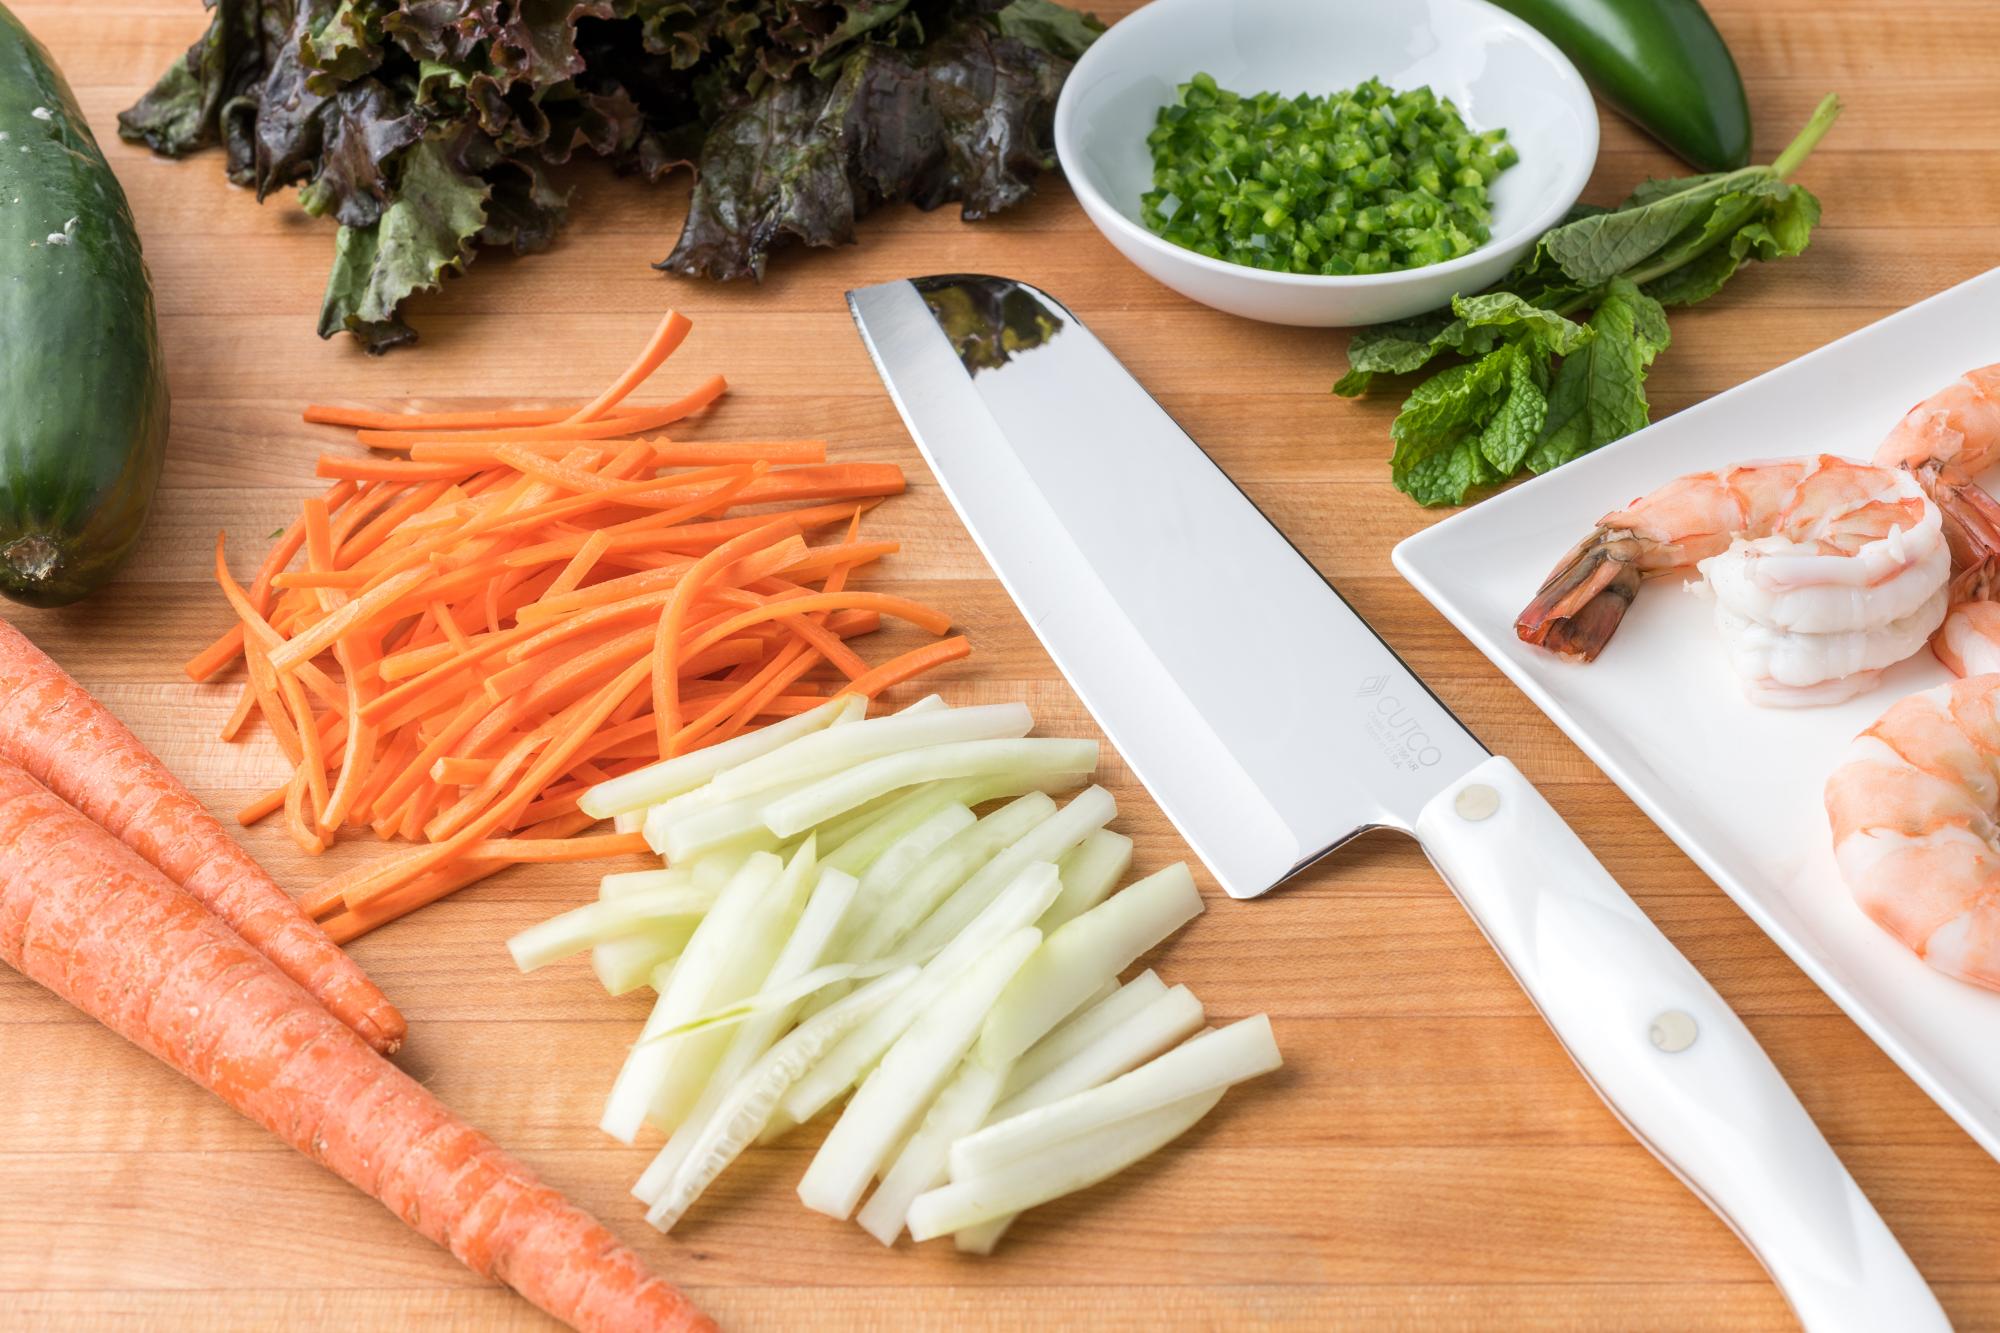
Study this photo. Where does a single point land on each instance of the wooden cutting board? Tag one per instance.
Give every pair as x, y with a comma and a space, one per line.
1428, 1157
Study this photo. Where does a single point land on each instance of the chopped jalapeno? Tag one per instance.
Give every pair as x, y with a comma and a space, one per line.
1366, 181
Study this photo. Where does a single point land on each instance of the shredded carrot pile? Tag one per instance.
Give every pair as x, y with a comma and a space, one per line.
496, 610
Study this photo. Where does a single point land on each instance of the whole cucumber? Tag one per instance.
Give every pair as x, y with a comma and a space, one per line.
83, 392
1662, 63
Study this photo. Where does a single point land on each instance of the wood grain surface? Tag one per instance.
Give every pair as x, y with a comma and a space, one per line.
1428, 1157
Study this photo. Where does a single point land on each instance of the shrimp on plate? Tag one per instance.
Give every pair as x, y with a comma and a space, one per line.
1824, 572
1915, 810
1915, 806
1945, 441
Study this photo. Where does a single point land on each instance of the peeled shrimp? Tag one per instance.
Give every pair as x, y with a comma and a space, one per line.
1958, 426
1813, 546
1789, 669
1969, 640
1915, 809
1945, 441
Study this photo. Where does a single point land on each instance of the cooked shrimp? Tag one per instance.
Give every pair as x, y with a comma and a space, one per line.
1818, 542
1790, 669
1968, 642
1945, 441
1958, 426
1915, 810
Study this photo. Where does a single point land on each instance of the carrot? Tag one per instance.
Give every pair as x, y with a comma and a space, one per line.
644, 419
452, 771
83, 915
343, 468
322, 414
230, 646
557, 849
526, 602
51, 727
913, 663
666, 681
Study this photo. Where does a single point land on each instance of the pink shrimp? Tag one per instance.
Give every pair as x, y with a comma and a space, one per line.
1818, 544
1946, 441
1915, 810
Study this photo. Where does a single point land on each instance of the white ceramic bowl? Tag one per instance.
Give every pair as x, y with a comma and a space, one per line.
1498, 70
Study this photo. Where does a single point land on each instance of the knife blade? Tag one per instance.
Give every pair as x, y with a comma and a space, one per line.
1272, 725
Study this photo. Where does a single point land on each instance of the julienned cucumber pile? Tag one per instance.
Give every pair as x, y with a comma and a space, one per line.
835, 923
1551, 363
1364, 181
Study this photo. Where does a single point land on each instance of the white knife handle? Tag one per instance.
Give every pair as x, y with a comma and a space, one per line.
1668, 1056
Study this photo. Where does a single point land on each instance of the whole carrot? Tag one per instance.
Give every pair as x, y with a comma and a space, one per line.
82, 914
52, 727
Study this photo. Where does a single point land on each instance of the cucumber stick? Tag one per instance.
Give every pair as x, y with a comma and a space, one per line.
84, 425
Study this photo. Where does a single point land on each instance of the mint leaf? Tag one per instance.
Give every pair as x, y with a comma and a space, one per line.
1445, 474
1397, 349
426, 233
1474, 326
1469, 427
1785, 230
1783, 225
1665, 231
1652, 191
1599, 394
1504, 309
1515, 427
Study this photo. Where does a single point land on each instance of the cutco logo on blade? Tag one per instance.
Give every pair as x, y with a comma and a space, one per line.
1395, 727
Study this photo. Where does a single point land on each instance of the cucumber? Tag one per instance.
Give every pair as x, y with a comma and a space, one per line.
83, 391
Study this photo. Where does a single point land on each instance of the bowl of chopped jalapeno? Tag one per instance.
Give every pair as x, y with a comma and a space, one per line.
1325, 162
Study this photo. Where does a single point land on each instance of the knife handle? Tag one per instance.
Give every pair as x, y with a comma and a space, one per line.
1668, 1055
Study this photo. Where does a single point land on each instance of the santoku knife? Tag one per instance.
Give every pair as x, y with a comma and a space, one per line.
1273, 725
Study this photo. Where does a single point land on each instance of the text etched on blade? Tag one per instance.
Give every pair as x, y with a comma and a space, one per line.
1395, 727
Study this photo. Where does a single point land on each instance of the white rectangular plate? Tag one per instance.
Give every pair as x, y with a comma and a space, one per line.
1738, 787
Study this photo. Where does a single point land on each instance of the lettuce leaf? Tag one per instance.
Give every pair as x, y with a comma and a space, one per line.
426, 233
426, 127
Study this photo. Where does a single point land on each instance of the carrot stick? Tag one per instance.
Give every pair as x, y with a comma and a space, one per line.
657, 452
666, 681
900, 607
340, 467
458, 772
227, 648
515, 850
83, 915
673, 331
391, 872
573, 507
322, 414
50, 726
318, 638
643, 419
246, 704
708, 534
913, 663
351, 923
264, 806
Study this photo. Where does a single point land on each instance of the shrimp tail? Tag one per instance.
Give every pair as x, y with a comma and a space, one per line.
1579, 606
1971, 518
